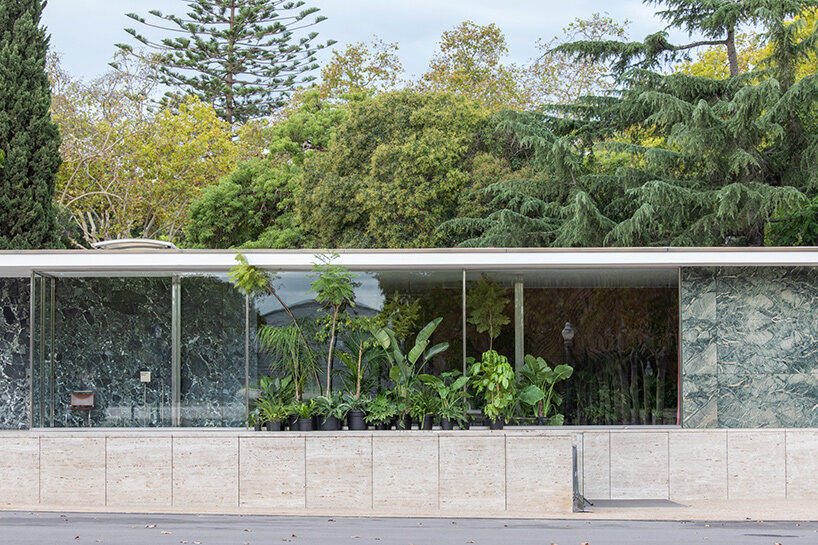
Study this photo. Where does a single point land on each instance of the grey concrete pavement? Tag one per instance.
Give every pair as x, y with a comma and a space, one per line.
42, 528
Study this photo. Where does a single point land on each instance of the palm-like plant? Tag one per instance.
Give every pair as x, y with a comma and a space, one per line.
404, 370
294, 355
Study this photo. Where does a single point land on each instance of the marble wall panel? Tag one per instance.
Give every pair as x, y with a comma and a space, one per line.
756, 465
405, 480
639, 465
138, 471
749, 349
802, 464
596, 465
339, 473
14, 352
272, 472
469, 480
549, 489
19, 471
698, 465
72, 471
205, 471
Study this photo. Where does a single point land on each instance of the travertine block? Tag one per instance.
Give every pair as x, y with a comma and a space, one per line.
539, 474
272, 472
755, 465
596, 465
698, 465
802, 464
405, 475
205, 471
72, 471
639, 465
471, 473
139, 471
339, 473
19, 470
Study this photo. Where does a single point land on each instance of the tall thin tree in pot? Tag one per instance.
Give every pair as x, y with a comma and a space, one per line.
334, 288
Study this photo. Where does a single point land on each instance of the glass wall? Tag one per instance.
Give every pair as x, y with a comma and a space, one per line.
182, 349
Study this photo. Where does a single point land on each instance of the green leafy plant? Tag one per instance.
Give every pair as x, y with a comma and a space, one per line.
332, 405
364, 353
493, 377
487, 302
404, 371
334, 288
400, 314
451, 393
293, 355
304, 409
381, 409
423, 402
538, 380
272, 410
254, 417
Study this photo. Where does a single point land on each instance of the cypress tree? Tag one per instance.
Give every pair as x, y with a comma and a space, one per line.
28, 138
698, 161
240, 55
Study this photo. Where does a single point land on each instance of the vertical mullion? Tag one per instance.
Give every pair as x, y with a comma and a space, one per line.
176, 354
463, 301
246, 357
51, 359
31, 320
519, 324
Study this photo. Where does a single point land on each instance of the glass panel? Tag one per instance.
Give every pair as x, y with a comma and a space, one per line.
212, 352
625, 345
432, 294
106, 331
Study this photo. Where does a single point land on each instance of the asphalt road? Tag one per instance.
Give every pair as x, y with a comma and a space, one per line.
22, 528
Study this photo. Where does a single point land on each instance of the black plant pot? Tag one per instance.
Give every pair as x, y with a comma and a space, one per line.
292, 421
356, 421
497, 423
466, 423
428, 422
330, 423
384, 426
404, 423
316, 421
539, 421
446, 424
305, 424
257, 426
273, 426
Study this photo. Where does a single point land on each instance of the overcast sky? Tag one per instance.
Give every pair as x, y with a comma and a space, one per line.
84, 31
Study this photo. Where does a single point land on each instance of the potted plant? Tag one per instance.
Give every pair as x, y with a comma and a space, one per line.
538, 380
305, 410
381, 411
331, 411
364, 351
272, 412
254, 419
493, 377
424, 407
451, 394
404, 370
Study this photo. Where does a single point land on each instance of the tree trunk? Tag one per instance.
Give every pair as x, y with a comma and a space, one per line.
732, 55
329, 355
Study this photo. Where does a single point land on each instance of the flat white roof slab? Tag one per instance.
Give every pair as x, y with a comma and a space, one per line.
22, 263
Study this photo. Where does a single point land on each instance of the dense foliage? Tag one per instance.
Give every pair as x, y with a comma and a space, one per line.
242, 56
29, 140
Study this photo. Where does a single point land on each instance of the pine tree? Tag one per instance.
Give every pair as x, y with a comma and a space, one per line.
242, 56
28, 138
669, 159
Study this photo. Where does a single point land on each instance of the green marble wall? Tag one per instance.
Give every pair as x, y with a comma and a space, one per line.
749, 347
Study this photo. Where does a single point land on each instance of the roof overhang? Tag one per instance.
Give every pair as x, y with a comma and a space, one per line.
23, 263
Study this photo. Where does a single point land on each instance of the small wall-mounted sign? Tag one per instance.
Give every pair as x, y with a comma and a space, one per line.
144, 376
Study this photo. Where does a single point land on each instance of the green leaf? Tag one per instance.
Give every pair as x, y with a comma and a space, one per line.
531, 395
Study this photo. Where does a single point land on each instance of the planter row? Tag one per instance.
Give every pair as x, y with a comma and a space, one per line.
355, 421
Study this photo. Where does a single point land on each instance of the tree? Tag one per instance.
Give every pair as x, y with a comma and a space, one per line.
361, 66
242, 56
487, 302
556, 77
469, 62
669, 159
29, 140
399, 165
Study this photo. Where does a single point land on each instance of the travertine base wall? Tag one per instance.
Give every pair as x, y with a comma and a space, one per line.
679, 464
470, 473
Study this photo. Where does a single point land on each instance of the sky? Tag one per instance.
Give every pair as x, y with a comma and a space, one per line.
84, 32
